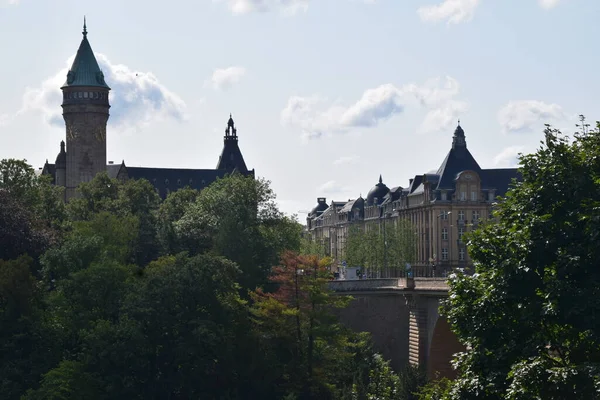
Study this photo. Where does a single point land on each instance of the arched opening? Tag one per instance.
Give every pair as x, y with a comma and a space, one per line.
444, 344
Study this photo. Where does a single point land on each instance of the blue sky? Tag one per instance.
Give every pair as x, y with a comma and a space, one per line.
326, 94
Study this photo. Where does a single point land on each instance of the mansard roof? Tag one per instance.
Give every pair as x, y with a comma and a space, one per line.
499, 179
85, 70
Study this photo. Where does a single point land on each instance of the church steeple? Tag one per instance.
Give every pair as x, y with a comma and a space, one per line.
231, 158
459, 140
230, 131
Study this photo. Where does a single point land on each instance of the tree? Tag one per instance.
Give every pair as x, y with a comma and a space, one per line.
383, 248
530, 315
33, 192
26, 345
297, 321
237, 217
135, 198
20, 231
171, 210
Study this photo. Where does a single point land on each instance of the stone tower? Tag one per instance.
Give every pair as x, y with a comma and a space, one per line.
85, 110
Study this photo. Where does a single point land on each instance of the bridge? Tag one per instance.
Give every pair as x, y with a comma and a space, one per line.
402, 316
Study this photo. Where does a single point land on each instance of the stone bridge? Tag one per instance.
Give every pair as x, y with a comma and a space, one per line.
402, 316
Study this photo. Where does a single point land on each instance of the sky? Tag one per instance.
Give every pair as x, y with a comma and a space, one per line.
326, 94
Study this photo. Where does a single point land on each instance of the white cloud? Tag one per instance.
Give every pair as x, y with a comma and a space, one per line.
224, 78
4, 118
453, 11
346, 160
508, 158
524, 115
548, 4
437, 96
137, 98
332, 187
288, 7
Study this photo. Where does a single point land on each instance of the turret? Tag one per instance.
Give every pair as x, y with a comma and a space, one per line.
60, 165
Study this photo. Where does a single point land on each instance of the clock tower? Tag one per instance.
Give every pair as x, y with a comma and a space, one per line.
85, 111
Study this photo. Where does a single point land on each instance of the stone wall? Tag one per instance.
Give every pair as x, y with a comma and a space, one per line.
385, 317
404, 323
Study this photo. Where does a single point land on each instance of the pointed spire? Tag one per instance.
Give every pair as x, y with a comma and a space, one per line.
458, 140
380, 180
85, 70
62, 146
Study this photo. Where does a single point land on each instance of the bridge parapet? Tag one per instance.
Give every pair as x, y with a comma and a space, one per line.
390, 284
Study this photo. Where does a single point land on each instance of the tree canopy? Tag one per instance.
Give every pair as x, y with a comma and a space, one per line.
121, 295
530, 315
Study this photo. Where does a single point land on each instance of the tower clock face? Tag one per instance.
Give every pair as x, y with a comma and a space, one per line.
72, 131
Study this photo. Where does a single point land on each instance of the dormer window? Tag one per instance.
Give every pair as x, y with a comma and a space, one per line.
444, 195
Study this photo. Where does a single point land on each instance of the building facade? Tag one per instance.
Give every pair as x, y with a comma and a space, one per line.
441, 206
86, 111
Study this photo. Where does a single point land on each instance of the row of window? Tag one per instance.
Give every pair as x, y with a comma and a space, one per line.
179, 182
461, 215
85, 95
461, 233
462, 196
461, 254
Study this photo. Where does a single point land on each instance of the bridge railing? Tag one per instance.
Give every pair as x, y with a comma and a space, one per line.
387, 284
415, 272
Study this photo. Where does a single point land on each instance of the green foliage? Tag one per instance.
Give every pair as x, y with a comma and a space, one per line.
34, 192
120, 296
298, 323
20, 231
237, 217
435, 390
132, 198
383, 248
170, 211
530, 316
26, 349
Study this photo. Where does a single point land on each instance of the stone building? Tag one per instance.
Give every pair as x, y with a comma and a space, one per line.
442, 205
86, 111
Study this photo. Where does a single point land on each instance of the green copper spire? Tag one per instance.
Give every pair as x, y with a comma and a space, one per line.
85, 70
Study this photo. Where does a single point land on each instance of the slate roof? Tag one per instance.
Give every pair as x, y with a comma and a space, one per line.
113, 170
171, 179
379, 191
320, 207
351, 204
85, 70
49, 169
499, 179
231, 157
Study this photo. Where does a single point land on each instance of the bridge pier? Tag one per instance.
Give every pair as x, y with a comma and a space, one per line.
403, 320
